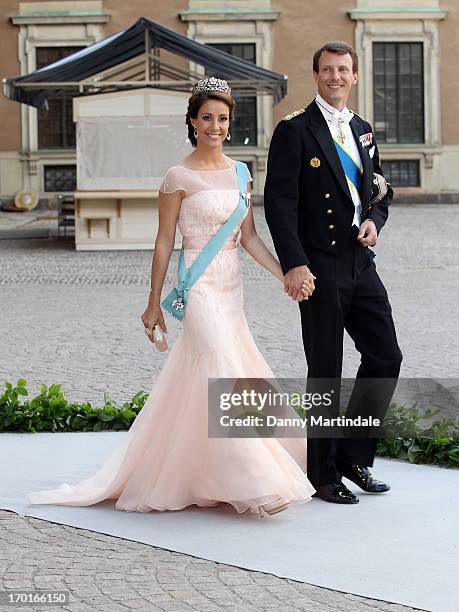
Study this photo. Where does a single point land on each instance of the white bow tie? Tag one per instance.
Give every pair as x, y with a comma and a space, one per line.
341, 117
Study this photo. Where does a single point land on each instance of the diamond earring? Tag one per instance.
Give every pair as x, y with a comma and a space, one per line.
195, 133
228, 136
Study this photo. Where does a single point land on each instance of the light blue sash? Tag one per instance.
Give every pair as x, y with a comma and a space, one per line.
351, 169
175, 302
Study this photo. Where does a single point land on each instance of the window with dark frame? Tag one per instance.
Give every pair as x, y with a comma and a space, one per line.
398, 92
60, 178
56, 129
244, 128
402, 172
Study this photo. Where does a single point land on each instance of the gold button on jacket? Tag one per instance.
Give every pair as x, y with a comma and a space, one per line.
333, 242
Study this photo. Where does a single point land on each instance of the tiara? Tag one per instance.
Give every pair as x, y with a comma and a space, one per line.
211, 84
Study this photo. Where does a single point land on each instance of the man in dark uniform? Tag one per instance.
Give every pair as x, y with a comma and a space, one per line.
317, 204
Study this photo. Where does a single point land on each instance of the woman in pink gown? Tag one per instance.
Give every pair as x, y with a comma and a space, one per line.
167, 461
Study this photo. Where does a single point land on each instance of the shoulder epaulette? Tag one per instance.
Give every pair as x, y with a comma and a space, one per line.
294, 114
356, 114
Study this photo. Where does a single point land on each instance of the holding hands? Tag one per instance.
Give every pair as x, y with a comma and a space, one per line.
299, 283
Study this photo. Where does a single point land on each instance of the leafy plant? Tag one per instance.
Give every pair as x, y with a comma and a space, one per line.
410, 435
407, 438
50, 411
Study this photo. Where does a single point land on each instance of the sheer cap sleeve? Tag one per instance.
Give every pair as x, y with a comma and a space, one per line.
246, 170
174, 180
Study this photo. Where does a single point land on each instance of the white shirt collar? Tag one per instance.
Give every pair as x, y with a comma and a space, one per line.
331, 113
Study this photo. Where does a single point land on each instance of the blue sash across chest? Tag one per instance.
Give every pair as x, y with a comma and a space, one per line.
175, 302
351, 169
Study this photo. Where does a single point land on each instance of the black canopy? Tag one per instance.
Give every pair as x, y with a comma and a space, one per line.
115, 57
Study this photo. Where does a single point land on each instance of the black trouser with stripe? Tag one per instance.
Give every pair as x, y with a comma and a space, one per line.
349, 296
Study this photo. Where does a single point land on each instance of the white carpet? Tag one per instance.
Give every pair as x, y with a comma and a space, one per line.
401, 547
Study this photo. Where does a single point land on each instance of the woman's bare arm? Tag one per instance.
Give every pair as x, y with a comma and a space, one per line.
257, 249
169, 209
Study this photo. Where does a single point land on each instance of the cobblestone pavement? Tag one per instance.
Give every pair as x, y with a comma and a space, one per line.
110, 574
74, 317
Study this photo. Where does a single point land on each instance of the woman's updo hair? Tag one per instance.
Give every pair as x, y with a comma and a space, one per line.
198, 99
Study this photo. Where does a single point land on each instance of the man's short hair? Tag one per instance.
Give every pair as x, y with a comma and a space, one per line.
339, 47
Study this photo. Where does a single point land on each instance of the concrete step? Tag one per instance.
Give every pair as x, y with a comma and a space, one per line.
14, 234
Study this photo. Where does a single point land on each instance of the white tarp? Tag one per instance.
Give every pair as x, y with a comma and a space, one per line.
128, 152
399, 547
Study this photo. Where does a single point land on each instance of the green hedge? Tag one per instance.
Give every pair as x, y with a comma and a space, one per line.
407, 438
50, 411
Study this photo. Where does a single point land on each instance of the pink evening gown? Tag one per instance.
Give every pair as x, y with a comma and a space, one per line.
167, 461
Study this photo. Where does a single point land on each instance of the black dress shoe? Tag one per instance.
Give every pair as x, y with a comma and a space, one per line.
362, 478
336, 494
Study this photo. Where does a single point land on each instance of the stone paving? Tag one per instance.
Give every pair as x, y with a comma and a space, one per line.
113, 575
74, 317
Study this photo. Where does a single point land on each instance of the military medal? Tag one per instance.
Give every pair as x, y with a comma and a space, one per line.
366, 139
315, 162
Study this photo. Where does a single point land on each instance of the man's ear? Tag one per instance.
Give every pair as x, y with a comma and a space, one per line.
356, 77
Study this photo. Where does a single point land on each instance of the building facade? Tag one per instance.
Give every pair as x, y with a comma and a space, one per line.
407, 51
